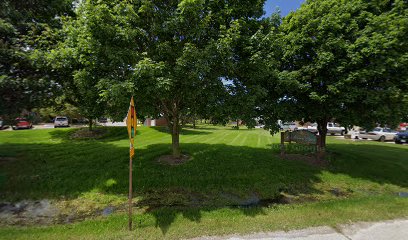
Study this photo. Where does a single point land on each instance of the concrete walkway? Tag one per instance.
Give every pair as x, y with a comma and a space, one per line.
387, 230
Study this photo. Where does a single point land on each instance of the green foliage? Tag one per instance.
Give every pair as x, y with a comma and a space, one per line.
170, 55
343, 60
26, 27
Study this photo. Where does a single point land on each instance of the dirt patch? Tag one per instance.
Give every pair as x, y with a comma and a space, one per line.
86, 134
170, 160
28, 212
5, 160
307, 158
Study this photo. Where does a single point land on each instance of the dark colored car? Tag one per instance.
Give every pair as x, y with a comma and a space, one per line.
401, 137
22, 123
3, 125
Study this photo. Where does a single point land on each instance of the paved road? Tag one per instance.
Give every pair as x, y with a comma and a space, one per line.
387, 230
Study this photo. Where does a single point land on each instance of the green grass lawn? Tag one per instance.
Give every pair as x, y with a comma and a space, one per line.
204, 196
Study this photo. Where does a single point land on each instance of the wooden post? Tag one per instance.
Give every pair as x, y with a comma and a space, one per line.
130, 193
282, 146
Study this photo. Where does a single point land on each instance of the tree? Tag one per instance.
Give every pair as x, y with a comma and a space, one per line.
171, 55
24, 28
245, 75
342, 60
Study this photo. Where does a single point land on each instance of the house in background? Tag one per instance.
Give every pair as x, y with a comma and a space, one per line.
151, 122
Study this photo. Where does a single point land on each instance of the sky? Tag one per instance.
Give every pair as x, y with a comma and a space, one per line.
284, 5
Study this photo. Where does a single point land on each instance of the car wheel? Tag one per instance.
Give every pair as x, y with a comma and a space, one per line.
332, 134
382, 139
342, 133
398, 142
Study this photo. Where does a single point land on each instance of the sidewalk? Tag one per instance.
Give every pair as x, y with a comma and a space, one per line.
386, 230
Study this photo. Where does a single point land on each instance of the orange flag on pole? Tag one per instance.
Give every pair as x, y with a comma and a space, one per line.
131, 123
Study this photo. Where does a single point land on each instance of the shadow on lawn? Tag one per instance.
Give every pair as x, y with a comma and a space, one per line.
184, 131
216, 176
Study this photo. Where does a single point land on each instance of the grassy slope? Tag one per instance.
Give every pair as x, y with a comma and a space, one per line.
93, 174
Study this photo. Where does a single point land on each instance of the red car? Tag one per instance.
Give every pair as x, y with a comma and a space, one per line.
22, 123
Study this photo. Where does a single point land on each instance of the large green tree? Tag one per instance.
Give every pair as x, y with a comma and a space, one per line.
27, 26
171, 55
342, 60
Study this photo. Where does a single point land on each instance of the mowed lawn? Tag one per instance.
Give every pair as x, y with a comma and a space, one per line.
235, 182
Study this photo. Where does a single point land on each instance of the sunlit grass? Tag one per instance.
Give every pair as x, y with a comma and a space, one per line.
171, 200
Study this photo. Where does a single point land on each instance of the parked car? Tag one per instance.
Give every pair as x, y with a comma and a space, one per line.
103, 120
22, 123
334, 128
288, 126
378, 134
401, 137
403, 126
61, 121
3, 125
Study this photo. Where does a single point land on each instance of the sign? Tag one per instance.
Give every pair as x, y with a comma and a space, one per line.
301, 137
131, 122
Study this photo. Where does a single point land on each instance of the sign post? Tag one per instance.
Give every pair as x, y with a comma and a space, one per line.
131, 122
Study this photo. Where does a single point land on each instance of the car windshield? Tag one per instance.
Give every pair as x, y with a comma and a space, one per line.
61, 119
377, 130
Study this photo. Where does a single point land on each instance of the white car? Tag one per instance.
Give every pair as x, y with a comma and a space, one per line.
334, 128
61, 122
311, 128
379, 134
288, 126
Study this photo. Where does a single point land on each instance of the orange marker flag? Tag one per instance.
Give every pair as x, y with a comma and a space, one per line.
131, 123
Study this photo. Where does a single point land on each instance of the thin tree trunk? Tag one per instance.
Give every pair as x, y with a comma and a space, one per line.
175, 138
194, 120
237, 123
90, 124
322, 128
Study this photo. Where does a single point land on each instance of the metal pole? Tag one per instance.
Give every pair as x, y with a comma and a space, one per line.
130, 194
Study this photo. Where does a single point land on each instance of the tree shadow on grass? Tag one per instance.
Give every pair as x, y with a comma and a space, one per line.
183, 131
217, 176
103, 134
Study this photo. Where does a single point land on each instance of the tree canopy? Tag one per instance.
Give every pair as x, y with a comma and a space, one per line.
342, 60
171, 55
26, 26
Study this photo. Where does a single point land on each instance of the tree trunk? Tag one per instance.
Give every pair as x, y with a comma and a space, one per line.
194, 120
322, 128
90, 124
175, 137
237, 123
